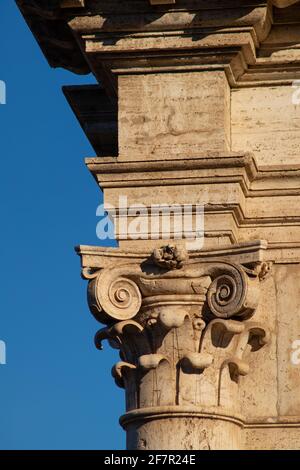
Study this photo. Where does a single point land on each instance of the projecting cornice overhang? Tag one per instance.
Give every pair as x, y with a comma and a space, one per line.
277, 3
50, 21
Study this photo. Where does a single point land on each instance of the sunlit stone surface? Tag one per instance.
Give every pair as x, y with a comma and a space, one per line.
198, 104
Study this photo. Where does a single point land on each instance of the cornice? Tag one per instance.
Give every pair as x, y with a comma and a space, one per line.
254, 200
47, 21
66, 29
55, 22
283, 180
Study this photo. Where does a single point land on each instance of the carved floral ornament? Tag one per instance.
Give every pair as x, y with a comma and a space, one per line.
171, 313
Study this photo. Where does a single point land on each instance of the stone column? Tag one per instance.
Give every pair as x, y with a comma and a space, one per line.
196, 104
185, 330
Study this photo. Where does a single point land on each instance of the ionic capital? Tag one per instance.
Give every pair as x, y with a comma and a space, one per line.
183, 325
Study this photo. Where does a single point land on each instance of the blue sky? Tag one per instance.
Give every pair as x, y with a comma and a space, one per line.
56, 391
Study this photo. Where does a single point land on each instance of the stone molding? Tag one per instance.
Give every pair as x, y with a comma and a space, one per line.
94, 258
250, 187
244, 29
205, 337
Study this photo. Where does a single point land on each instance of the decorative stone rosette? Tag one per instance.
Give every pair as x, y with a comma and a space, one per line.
183, 328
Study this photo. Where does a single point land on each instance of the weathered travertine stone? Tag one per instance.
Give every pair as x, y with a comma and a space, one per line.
198, 104
266, 122
169, 118
182, 353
